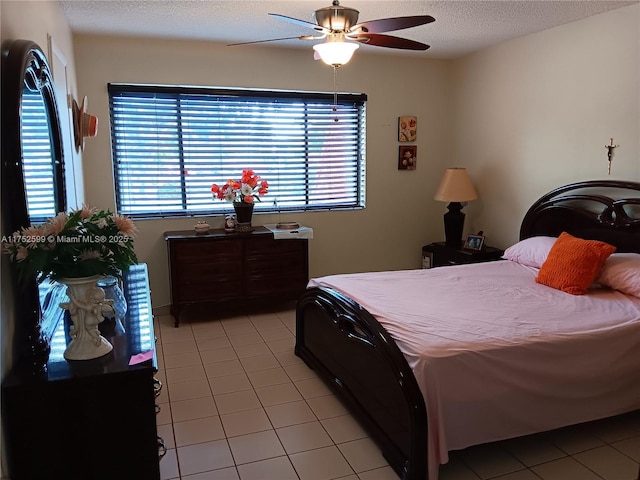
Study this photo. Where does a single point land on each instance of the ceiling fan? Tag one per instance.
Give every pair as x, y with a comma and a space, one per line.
338, 25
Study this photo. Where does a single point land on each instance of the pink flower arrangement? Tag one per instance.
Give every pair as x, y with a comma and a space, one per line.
247, 190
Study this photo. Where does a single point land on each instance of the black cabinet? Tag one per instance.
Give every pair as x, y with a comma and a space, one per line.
88, 419
439, 255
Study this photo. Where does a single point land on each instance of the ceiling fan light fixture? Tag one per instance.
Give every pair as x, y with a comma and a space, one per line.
336, 53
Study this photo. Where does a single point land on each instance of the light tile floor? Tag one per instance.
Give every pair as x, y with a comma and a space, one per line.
238, 404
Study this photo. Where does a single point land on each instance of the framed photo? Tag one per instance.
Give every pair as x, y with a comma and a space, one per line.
407, 157
407, 129
474, 242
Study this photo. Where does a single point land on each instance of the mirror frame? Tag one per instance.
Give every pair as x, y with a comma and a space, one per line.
24, 65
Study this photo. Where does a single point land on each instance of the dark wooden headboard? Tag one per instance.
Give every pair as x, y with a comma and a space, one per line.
606, 210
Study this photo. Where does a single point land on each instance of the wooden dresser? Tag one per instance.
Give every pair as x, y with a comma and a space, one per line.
87, 419
233, 268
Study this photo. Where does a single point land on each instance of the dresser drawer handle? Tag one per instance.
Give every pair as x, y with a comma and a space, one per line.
157, 409
157, 387
162, 449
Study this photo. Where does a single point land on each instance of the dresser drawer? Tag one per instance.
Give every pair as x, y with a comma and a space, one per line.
209, 281
285, 262
275, 266
205, 291
209, 270
199, 251
268, 246
269, 255
291, 285
286, 272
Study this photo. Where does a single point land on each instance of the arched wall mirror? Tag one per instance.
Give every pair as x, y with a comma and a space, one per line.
33, 187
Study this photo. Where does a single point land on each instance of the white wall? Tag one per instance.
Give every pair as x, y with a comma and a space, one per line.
388, 234
534, 113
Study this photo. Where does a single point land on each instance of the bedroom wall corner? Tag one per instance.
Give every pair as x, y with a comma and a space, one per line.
535, 113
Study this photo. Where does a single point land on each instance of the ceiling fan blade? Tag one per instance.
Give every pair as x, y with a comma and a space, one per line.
303, 37
388, 41
390, 24
301, 23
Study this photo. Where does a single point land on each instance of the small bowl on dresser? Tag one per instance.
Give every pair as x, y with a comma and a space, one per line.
201, 227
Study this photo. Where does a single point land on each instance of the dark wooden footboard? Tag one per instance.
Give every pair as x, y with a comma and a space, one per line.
353, 353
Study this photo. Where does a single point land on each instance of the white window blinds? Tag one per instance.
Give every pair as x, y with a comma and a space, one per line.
39, 174
171, 143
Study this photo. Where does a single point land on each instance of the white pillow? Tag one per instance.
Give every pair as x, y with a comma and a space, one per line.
531, 251
621, 272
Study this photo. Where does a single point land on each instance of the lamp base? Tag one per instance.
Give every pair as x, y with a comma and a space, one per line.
453, 225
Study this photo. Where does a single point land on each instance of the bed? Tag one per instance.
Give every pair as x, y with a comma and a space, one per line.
362, 335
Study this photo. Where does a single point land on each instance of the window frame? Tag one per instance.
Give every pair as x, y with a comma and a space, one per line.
354, 101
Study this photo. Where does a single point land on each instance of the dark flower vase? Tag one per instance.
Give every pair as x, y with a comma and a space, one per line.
244, 212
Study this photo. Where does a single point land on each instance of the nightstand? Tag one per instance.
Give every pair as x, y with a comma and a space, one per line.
439, 255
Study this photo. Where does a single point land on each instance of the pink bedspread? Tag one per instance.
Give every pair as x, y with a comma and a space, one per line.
497, 355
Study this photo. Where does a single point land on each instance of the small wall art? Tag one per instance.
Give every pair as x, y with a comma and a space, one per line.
407, 129
407, 157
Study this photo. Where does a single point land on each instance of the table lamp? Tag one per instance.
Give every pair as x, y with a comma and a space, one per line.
455, 187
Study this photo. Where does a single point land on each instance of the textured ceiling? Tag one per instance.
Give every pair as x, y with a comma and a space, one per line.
461, 26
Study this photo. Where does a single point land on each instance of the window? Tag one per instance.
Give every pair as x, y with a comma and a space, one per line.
171, 143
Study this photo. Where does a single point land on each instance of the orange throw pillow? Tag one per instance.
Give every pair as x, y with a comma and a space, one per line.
573, 263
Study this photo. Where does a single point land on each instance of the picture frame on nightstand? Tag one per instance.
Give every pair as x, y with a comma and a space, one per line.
474, 243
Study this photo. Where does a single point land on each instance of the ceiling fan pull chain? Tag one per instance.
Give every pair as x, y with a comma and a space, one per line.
335, 92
